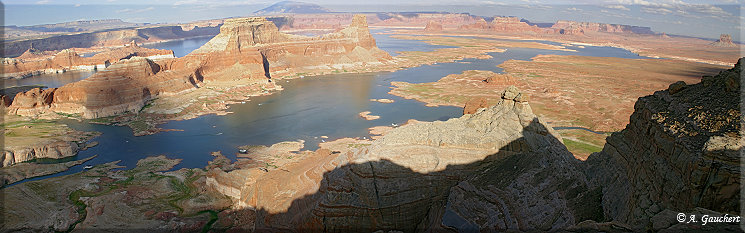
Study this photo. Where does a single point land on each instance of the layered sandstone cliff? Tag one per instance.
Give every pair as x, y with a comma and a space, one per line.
681, 150
109, 37
515, 25
433, 26
32, 63
448, 20
573, 27
505, 25
125, 86
51, 150
246, 48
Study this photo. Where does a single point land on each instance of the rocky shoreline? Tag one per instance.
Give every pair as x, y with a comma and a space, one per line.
593, 92
27, 140
20, 172
499, 168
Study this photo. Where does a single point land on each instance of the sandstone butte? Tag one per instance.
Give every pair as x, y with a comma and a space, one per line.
725, 40
33, 62
515, 25
246, 48
502, 168
433, 26
421, 19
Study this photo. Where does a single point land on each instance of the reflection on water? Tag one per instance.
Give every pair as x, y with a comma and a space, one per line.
393, 46
180, 47
51, 80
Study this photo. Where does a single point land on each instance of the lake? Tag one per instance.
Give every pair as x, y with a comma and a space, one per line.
306, 109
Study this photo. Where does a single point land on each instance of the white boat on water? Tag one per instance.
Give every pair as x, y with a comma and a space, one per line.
88, 167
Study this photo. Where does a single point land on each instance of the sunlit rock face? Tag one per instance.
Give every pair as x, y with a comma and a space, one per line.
408, 178
33, 62
681, 150
250, 48
403, 180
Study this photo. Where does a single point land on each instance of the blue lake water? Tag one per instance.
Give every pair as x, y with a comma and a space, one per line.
305, 110
49, 80
180, 48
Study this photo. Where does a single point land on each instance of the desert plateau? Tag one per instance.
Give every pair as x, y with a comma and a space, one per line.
328, 116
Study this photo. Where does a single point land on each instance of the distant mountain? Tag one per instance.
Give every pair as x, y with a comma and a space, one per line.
292, 7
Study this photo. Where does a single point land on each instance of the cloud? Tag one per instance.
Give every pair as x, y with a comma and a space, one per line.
574, 9
682, 8
43, 2
135, 11
653, 10
184, 2
617, 7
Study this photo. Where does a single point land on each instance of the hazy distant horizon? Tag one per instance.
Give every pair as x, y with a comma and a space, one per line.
692, 18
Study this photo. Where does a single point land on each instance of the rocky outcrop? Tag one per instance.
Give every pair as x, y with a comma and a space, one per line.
725, 40
516, 25
31, 63
258, 46
474, 104
109, 37
403, 180
433, 26
448, 20
573, 27
32, 102
251, 48
480, 24
55, 150
513, 25
124, 86
681, 150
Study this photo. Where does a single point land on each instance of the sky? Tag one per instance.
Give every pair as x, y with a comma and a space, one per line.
697, 18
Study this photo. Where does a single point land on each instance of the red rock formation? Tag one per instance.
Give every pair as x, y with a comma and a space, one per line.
257, 44
725, 40
5, 100
313, 21
124, 86
448, 20
570, 27
32, 101
111, 37
512, 25
505, 25
245, 48
474, 104
433, 26
500, 80
31, 63
480, 24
